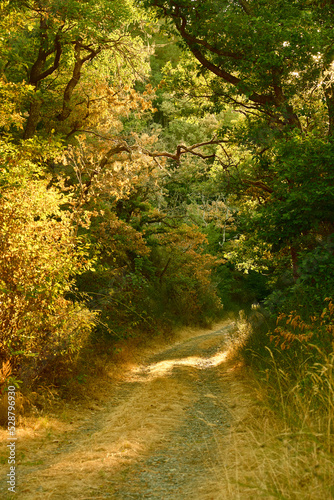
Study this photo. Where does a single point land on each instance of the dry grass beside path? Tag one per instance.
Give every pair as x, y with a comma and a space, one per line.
261, 458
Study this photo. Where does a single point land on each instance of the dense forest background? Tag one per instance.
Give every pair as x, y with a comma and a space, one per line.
163, 162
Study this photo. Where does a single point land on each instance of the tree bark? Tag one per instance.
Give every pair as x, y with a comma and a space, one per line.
76, 75
33, 118
38, 73
329, 94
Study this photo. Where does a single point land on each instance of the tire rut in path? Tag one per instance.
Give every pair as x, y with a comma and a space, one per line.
182, 468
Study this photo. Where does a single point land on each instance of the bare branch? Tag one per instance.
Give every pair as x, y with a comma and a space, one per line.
181, 150
259, 184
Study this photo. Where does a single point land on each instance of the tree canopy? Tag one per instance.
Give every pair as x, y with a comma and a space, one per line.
159, 162
262, 54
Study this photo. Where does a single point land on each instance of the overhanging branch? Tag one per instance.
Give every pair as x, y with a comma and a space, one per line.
182, 150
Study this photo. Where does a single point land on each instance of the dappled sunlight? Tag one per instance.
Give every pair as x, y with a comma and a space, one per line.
162, 368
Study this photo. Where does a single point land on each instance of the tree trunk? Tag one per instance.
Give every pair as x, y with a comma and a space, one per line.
76, 75
294, 261
329, 94
33, 118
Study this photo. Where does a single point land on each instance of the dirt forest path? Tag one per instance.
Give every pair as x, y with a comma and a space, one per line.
160, 435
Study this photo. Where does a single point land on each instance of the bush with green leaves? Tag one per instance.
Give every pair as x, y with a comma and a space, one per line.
39, 256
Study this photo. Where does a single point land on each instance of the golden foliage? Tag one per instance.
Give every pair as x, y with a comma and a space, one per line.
296, 329
11, 97
39, 255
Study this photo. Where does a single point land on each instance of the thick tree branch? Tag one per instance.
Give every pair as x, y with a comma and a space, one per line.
76, 75
55, 65
226, 76
181, 150
224, 53
122, 146
200, 49
36, 73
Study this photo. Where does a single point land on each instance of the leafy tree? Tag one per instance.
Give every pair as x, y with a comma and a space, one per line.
89, 213
54, 46
262, 54
273, 62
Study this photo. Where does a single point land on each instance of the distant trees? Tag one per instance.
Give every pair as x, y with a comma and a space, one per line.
273, 63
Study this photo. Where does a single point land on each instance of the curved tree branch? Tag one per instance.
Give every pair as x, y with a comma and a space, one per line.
76, 75
181, 150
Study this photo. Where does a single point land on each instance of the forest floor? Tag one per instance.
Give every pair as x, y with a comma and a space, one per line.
161, 431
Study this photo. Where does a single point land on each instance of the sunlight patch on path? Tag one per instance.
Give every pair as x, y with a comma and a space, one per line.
163, 368
130, 429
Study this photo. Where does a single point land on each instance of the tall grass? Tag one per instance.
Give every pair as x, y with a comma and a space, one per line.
284, 446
